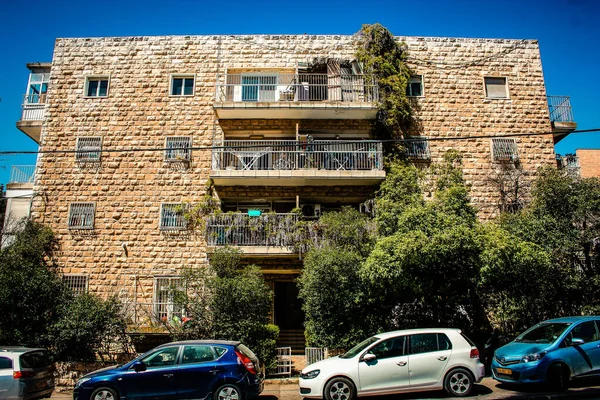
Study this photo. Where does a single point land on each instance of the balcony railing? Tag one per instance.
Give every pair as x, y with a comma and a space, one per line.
294, 155
278, 87
22, 174
238, 229
33, 107
560, 109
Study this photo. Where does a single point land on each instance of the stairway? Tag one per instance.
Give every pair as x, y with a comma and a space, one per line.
293, 338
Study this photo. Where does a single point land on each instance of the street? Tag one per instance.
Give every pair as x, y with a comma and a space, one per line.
488, 389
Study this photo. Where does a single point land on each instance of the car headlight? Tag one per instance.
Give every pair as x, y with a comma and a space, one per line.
81, 381
311, 374
533, 357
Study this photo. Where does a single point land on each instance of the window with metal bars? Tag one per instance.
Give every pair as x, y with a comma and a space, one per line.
172, 216
165, 291
96, 86
417, 148
504, 149
81, 215
77, 283
88, 149
178, 148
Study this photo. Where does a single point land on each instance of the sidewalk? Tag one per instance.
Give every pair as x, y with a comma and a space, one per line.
488, 389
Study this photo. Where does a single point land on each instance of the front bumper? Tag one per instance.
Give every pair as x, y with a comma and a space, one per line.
311, 388
519, 373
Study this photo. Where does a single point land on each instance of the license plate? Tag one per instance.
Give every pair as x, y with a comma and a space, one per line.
41, 385
504, 371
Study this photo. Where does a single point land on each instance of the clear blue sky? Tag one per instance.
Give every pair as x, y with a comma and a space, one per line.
568, 32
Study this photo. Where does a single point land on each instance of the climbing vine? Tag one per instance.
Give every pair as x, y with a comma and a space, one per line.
382, 56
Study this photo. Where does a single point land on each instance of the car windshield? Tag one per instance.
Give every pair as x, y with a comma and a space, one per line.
359, 347
543, 333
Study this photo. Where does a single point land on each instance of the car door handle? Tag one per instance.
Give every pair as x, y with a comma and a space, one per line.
442, 358
168, 375
214, 371
401, 363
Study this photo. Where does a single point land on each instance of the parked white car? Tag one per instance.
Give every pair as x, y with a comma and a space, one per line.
397, 362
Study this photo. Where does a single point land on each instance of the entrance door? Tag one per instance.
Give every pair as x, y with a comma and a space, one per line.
289, 316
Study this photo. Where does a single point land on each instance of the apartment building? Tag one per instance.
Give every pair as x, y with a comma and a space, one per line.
135, 128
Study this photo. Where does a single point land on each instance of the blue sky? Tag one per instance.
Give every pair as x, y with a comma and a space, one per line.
568, 32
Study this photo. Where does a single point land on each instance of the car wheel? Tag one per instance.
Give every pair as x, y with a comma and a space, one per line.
228, 391
558, 377
458, 382
339, 389
104, 393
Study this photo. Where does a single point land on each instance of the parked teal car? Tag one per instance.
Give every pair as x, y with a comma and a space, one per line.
552, 352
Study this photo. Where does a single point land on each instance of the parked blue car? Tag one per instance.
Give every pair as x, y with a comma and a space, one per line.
552, 352
199, 369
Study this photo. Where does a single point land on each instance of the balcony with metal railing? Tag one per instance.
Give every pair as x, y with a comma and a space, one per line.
268, 233
279, 95
21, 176
297, 163
561, 116
32, 115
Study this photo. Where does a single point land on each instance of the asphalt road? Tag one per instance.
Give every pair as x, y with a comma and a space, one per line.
488, 389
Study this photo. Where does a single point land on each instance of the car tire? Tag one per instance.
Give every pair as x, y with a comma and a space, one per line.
339, 388
558, 377
229, 391
104, 393
459, 382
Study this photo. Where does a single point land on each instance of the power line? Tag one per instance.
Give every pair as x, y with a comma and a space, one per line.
298, 144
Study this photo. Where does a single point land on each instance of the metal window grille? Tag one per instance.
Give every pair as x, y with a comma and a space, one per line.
284, 361
504, 149
172, 216
81, 215
418, 149
77, 283
314, 354
88, 149
165, 289
178, 148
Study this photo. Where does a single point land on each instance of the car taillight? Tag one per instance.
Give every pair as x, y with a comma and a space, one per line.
22, 374
474, 353
246, 362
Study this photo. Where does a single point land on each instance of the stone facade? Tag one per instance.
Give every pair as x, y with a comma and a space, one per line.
589, 162
126, 249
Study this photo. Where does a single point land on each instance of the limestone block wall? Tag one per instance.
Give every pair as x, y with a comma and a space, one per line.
126, 250
589, 162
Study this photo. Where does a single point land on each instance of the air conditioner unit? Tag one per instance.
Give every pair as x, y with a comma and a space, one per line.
311, 210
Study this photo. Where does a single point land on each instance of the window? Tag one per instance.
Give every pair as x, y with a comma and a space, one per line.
81, 215
495, 88
162, 358
585, 331
259, 87
429, 342
172, 216
88, 149
96, 86
77, 283
182, 85
165, 289
415, 86
197, 354
504, 149
389, 348
5, 363
38, 87
178, 148
417, 148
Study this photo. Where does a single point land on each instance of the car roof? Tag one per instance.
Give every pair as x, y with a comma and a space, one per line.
221, 342
386, 335
18, 349
575, 319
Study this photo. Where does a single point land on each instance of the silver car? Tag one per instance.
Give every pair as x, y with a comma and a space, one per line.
25, 373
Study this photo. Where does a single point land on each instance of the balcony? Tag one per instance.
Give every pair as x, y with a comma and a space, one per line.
21, 177
266, 234
278, 95
297, 163
32, 115
561, 116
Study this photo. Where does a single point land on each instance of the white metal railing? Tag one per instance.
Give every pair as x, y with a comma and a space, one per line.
22, 174
280, 86
239, 229
33, 107
314, 354
294, 155
284, 361
560, 109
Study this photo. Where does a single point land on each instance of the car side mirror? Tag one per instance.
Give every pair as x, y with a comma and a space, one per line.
139, 366
369, 357
577, 342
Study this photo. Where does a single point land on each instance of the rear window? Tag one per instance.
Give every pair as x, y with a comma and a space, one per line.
220, 351
5, 363
467, 339
36, 359
245, 351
